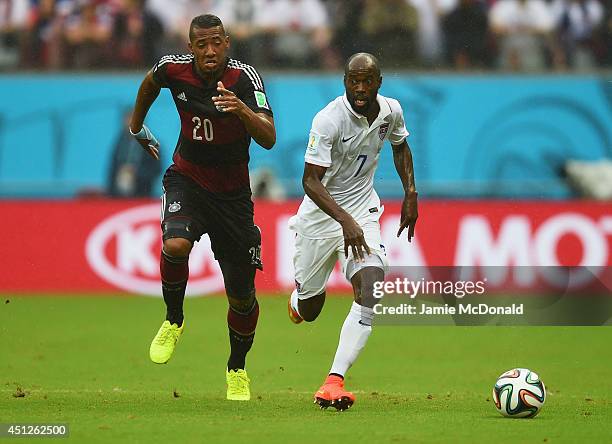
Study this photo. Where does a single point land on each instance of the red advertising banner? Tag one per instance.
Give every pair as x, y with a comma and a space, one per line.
113, 245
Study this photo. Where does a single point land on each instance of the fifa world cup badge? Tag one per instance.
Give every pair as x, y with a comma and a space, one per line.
313, 143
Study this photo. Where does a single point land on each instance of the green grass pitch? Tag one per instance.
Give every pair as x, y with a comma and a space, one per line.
84, 361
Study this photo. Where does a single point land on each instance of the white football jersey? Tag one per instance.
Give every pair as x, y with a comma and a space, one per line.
344, 142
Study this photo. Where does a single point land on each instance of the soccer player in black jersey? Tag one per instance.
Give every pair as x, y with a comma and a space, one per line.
222, 104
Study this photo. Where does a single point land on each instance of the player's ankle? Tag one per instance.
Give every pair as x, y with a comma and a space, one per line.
334, 378
175, 318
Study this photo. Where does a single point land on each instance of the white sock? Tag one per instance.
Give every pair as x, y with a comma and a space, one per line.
294, 302
353, 337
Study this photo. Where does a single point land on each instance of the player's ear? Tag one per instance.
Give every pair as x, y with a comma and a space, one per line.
227, 41
190, 47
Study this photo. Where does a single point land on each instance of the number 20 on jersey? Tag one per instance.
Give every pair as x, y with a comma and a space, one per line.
202, 129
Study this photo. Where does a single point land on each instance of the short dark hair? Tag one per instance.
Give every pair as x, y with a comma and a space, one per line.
205, 21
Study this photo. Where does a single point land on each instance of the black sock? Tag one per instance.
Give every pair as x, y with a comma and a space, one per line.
174, 274
241, 328
174, 294
240, 346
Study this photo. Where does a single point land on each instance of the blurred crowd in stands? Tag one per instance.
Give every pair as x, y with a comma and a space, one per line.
510, 35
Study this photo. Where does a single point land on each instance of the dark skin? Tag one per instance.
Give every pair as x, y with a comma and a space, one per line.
362, 80
209, 47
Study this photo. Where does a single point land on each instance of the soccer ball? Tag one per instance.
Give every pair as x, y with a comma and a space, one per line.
519, 393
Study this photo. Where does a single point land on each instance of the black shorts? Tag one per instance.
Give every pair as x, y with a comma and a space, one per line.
189, 211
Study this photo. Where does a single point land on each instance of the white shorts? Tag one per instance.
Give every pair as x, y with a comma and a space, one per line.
315, 259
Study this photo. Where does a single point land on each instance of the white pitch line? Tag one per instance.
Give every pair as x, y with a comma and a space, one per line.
122, 391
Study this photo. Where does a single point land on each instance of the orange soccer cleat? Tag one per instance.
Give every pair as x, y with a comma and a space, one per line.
332, 394
294, 316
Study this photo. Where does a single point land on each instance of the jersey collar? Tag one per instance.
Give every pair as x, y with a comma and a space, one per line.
385, 109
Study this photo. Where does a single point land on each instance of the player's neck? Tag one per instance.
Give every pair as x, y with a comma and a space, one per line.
210, 78
372, 113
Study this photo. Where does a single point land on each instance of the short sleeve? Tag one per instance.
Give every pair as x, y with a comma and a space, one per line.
159, 72
253, 92
320, 141
398, 131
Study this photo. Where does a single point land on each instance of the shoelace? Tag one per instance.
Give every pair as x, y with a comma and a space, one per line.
163, 337
242, 382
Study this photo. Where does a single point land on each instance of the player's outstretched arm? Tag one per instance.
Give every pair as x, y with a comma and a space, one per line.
402, 157
259, 125
352, 232
147, 93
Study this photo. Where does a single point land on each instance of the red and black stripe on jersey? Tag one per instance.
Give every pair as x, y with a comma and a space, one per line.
213, 146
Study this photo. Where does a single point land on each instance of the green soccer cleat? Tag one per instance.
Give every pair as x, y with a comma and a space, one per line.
238, 385
164, 342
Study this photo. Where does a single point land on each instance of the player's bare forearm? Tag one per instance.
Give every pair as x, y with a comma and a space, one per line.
314, 188
352, 232
147, 94
260, 126
402, 158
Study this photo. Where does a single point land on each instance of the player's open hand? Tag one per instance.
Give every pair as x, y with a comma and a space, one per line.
147, 141
410, 214
353, 239
227, 101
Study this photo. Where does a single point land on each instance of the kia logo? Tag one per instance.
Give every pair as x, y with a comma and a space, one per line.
124, 251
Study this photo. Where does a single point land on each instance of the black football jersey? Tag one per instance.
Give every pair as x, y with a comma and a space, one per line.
213, 146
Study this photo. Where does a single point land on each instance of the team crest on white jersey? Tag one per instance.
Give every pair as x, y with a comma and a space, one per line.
382, 131
174, 207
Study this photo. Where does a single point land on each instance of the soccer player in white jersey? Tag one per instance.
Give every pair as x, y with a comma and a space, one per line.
338, 218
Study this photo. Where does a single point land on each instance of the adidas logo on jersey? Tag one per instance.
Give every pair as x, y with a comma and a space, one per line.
182, 96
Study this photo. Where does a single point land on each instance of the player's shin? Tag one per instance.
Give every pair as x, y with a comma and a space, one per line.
355, 332
174, 273
241, 326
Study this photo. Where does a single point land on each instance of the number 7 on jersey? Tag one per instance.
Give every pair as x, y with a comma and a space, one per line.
363, 158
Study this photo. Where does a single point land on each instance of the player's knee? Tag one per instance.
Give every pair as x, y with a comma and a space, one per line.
363, 284
311, 308
368, 283
177, 247
242, 304
240, 291
239, 280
